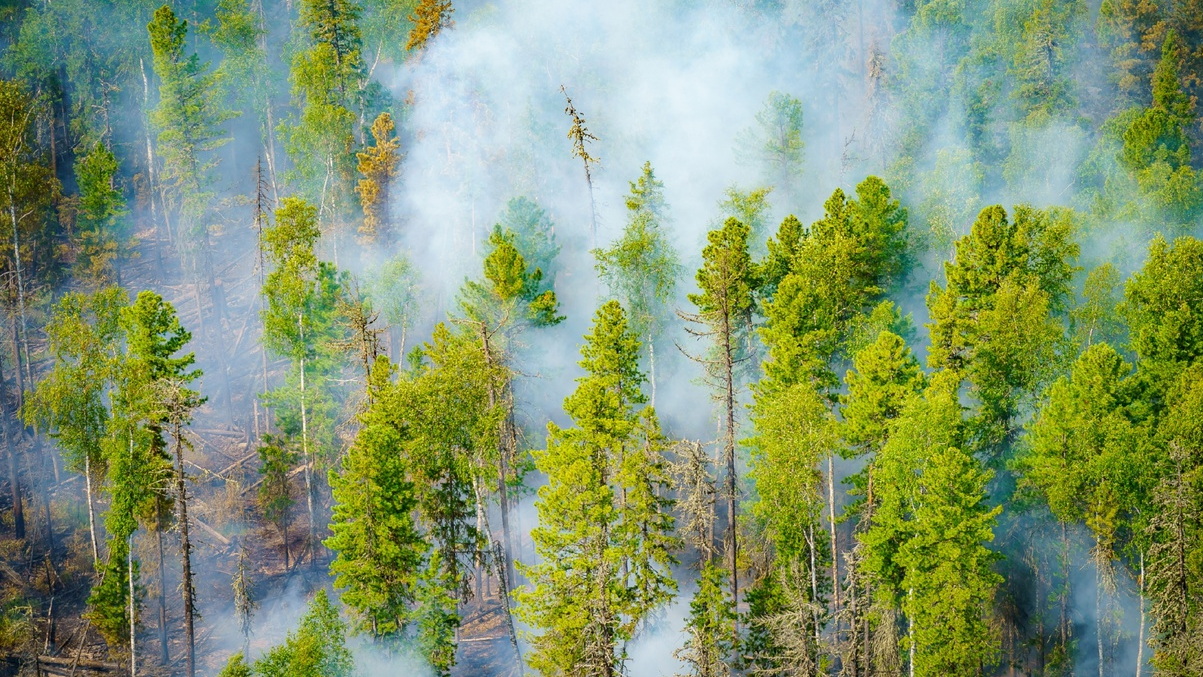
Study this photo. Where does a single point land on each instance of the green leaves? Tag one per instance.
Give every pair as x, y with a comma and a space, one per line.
641, 268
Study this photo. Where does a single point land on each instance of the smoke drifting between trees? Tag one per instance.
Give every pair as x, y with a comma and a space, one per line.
868, 341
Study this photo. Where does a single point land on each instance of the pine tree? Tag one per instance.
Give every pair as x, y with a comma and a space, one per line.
511, 297
327, 89
376, 544
393, 289
1175, 528
317, 647
995, 322
534, 235
154, 336
725, 318
591, 591
710, 640
775, 144
275, 492
188, 118
299, 324
100, 229
926, 551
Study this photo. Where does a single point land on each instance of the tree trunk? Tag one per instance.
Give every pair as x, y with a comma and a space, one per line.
20, 280
504, 442
133, 624
163, 655
181, 490
284, 525
835, 553
910, 632
814, 580
1140, 646
651, 367
152, 183
91, 509
14, 475
1098, 612
308, 463
732, 538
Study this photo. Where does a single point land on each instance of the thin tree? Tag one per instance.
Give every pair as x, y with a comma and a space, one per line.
179, 402
581, 138
724, 318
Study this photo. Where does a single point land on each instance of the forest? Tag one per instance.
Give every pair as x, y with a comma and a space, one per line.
641, 337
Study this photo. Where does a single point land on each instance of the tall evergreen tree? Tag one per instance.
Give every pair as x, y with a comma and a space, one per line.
188, 118
604, 534
376, 544
724, 317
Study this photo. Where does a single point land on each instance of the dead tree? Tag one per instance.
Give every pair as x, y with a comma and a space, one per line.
581, 137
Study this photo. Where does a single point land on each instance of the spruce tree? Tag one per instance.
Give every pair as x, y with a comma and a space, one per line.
926, 549
101, 232
724, 317
376, 544
710, 640
591, 590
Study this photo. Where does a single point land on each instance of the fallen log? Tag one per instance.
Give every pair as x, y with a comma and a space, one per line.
53, 665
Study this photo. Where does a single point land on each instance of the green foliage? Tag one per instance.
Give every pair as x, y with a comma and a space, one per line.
1043, 62
100, 222
511, 291
726, 280
236, 666
317, 647
605, 531
926, 546
1163, 304
393, 289
1097, 318
189, 115
838, 269
1087, 454
28, 189
884, 377
641, 268
794, 431
377, 547
108, 603
534, 235
710, 641
240, 35
69, 400
277, 458
995, 320
437, 617
327, 88
749, 208
775, 144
